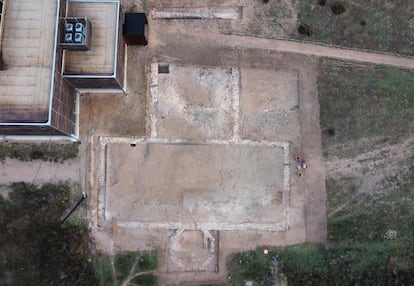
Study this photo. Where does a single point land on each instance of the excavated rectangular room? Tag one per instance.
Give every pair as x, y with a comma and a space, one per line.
191, 186
192, 102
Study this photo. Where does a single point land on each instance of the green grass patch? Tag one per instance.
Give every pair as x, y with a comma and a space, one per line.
123, 265
379, 263
34, 248
364, 101
103, 270
145, 279
340, 192
134, 266
369, 217
249, 266
46, 152
381, 25
332, 265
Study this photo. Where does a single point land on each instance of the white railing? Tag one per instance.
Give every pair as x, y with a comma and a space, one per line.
2, 9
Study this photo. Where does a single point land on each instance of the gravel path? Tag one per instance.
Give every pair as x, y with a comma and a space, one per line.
317, 50
38, 172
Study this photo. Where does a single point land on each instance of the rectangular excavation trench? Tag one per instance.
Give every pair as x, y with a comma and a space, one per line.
218, 186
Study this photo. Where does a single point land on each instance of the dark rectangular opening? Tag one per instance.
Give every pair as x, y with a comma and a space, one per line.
163, 68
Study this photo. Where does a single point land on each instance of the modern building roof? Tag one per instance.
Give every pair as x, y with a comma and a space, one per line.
100, 59
31, 58
27, 50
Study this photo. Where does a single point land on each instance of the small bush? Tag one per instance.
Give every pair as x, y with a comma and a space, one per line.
36, 155
126, 264
147, 261
123, 264
305, 29
322, 2
251, 265
103, 270
363, 22
265, 1
338, 8
145, 279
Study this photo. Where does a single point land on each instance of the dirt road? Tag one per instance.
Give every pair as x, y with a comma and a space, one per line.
213, 39
38, 172
318, 50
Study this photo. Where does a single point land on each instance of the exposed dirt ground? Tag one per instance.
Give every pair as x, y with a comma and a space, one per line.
275, 88
380, 170
38, 171
284, 68
278, 84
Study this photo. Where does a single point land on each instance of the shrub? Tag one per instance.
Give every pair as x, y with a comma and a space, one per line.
129, 266
305, 29
338, 8
265, 1
147, 261
330, 264
145, 279
322, 2
251, 265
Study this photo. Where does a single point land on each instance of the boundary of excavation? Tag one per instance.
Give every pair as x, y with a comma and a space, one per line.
102, 185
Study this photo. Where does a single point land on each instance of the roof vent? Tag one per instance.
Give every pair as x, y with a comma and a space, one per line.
79, 28
68, 38
69, 27
79, 38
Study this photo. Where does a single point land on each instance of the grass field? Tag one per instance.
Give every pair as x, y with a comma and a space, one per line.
36, 249
379, 25
363, 101
370, 234
370, 243
135, 267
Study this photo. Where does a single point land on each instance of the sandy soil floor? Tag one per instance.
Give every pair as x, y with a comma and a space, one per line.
196, 102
